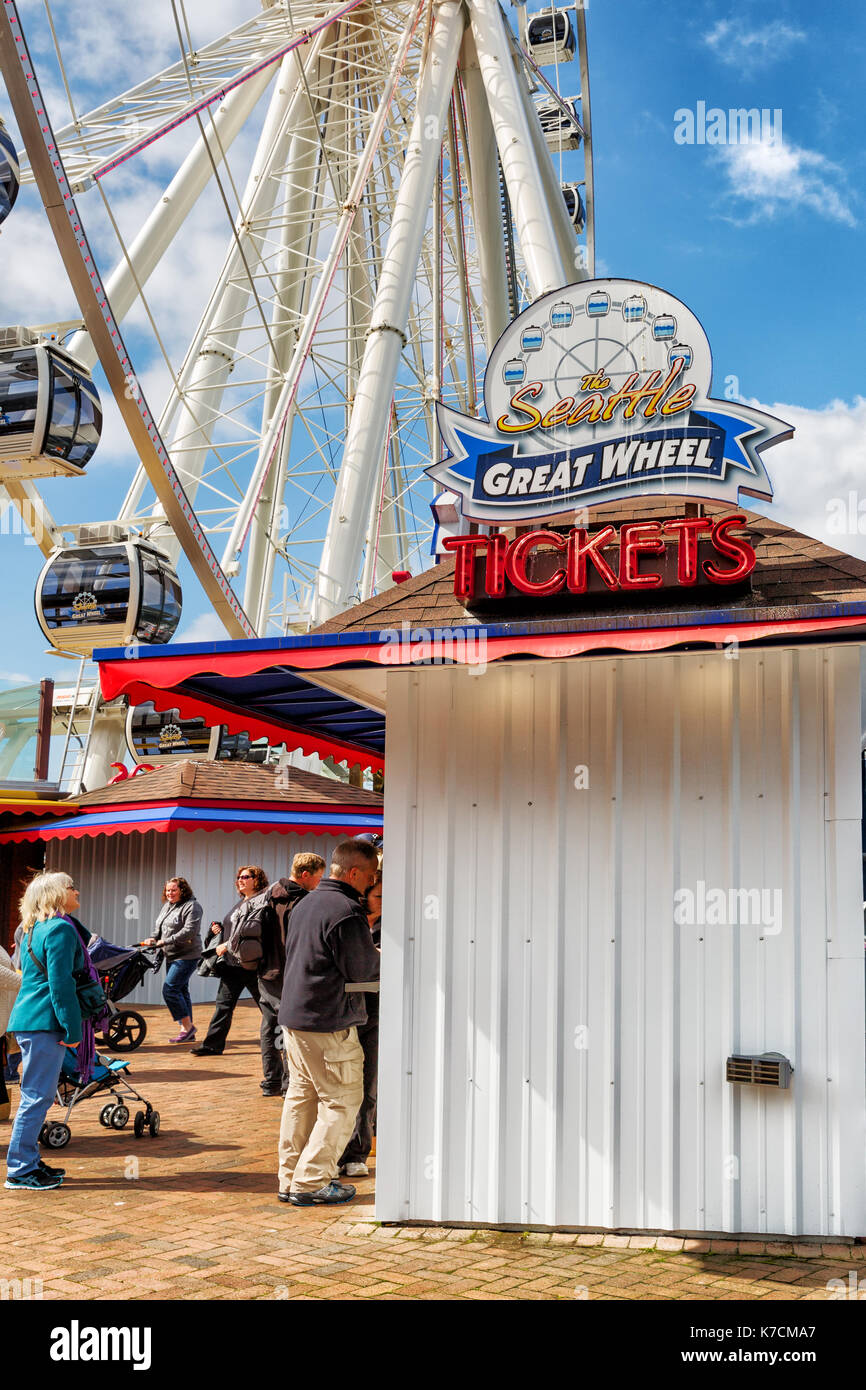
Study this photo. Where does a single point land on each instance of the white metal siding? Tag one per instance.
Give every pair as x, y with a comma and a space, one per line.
554, 1043
121, 878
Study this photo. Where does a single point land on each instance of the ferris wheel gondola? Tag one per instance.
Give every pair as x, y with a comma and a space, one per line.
50, 415
550, 37
107, 595
10, 176
164, 736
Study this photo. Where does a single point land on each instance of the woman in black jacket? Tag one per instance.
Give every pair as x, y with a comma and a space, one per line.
239, 950
178, 933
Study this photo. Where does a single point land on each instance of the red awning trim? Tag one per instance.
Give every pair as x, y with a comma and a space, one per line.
141, 678
165, 696
233, 827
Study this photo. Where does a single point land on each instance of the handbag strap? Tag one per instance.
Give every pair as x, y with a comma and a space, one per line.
35, 958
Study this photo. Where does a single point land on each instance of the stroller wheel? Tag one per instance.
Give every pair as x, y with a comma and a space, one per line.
153, 1123
126, 1031
139, 1123
105, 1115
43, 1135
119, 1116
57, 1135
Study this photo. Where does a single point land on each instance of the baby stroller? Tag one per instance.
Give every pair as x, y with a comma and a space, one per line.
110, 1077
121, 969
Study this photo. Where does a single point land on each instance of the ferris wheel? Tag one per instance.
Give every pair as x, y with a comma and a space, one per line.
398, 179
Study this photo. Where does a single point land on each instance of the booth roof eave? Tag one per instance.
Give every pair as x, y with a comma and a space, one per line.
285, 820
259, 686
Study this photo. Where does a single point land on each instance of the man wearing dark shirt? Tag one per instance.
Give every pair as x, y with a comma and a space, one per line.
328, 945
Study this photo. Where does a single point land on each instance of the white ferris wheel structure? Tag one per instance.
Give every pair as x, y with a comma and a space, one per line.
405, 198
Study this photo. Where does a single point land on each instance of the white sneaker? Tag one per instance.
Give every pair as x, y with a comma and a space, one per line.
355, 1170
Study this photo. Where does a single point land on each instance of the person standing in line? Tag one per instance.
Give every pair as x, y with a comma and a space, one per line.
282, 897
178, 933
354, 1158
328, 945
46, 1019
236, 973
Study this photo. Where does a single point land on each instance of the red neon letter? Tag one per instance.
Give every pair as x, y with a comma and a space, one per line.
464, 571
517, 558
734, 548
687, 531
638, 537
580, 550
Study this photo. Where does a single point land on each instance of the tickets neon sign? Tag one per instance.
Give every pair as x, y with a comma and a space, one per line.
596, 392
634, 558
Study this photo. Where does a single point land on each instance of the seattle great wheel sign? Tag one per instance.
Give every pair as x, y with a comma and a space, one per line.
598, 392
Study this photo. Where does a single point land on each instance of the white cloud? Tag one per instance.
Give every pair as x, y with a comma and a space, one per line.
17, 677
780, 177
750, 49
814, 474
205, 628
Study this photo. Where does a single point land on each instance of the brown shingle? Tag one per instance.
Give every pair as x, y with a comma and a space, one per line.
225, 781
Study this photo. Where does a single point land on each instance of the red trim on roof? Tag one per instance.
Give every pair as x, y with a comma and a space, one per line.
164, 696
230, 827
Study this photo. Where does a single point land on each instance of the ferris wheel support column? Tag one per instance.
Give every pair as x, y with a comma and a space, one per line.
484, 193
548, 268
206, 373
291, 287
173, 208
328, 271
341, 553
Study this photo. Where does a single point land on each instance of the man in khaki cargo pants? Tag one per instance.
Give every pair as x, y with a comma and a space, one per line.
328, 945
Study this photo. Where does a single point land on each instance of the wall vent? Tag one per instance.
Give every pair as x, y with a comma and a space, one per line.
768, 1069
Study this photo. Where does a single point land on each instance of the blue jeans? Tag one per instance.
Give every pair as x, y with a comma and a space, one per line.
175, 991
42, 1056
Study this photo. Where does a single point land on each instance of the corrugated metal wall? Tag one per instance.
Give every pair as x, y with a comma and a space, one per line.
554, 1041
121, 878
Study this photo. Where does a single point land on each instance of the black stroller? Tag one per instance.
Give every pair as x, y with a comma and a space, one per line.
121, 969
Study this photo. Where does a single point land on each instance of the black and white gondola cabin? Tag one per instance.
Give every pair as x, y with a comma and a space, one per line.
162, 736
91, 596
50, 415
10, 174
550, 37
560, 127
574, 204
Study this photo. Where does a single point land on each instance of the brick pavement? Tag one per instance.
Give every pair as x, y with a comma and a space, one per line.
193, 1215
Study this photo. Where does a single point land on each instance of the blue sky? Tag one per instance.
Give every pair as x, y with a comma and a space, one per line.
764, 242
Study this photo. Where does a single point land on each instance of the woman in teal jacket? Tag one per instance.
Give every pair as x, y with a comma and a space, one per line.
46, 1019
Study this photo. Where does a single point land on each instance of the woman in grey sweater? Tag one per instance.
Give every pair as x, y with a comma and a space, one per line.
178, 932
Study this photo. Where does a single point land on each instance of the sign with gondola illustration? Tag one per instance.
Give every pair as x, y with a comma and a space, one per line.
598, 392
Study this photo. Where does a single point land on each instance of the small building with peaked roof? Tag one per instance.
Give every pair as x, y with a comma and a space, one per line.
196, 820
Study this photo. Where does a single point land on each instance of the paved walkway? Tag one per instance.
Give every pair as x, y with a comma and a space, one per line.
193, 1215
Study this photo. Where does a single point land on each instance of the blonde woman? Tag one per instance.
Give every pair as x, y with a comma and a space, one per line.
46, 1018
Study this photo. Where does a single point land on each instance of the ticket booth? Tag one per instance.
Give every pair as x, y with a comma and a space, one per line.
622, 939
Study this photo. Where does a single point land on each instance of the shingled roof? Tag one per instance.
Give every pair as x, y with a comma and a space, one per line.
793, 573
187, 780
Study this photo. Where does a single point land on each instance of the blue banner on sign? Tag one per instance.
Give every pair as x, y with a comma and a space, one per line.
702, 449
